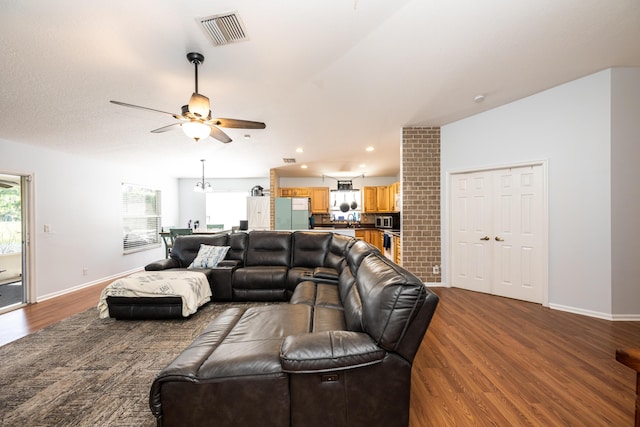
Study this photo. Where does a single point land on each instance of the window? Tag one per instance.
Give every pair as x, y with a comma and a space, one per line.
141, 218
226, 208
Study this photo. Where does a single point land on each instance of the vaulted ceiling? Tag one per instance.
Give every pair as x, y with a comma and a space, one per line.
329, 76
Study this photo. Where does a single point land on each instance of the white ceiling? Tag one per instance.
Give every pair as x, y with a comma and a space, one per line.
330, 76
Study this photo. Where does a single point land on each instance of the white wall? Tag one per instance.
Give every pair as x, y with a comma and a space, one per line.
193, 205
570, 126
625, 195
80, 199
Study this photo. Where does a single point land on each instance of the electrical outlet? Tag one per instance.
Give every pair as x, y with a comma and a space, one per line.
436, 269
85, 271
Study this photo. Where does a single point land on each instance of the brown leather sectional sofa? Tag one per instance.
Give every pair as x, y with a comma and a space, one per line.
337, 352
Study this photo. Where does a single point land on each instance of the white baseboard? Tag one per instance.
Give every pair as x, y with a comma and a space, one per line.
85, 285
596, 314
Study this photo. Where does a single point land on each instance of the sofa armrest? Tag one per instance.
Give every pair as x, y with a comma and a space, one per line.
230, 263
328, 351
163, 264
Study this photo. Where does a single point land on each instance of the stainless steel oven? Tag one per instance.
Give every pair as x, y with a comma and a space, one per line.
384, 222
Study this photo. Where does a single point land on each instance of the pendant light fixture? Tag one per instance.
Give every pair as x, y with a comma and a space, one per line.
203, 187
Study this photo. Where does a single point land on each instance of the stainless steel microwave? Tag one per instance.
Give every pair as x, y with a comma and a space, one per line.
384, 222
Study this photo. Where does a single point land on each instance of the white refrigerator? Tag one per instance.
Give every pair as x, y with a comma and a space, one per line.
292, 213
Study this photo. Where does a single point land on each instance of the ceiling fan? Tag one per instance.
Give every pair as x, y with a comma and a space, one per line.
195, 118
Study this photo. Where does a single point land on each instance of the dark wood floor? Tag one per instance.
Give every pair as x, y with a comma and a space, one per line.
485, 361
494, 361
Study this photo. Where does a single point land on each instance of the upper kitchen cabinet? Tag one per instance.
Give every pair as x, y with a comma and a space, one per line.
370, 199
382, 198
319, 199
319, 196
394, 196
294, 192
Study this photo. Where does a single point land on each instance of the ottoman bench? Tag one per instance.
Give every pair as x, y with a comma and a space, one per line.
155, 295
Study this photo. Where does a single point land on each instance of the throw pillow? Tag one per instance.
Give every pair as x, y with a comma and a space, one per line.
209, 256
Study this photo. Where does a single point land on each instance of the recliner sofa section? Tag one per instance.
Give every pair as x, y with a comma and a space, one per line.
262, 265
338, 353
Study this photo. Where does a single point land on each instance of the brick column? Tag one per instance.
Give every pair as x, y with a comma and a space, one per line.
421, 246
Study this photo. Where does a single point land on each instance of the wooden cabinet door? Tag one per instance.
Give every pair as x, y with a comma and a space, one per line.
286, 192
319, 199
397, 255
302, 192
382, 196
370, 199
394, 190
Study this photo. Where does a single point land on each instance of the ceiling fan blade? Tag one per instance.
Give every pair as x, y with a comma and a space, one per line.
124, 104
166, 128
199, 106
219, 135
239, 124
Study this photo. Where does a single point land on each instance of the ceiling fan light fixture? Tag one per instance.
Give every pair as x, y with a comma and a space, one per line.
196, 130
199, 106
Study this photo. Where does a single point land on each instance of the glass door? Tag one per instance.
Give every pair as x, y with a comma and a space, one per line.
12, 242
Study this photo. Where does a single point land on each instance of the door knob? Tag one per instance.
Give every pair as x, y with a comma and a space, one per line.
484, 238
499, 239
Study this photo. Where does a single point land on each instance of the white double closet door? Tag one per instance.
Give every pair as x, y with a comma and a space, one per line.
498, 244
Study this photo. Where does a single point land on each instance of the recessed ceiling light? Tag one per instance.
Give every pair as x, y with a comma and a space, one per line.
363, 165
478, 98
299, 150
247, 136
370, 149
303, 166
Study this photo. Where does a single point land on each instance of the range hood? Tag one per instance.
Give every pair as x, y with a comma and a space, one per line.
345, 185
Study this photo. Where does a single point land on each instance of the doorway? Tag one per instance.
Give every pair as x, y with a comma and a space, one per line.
13, 241
498, 241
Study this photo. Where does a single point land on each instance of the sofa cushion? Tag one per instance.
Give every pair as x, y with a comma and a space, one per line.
186, 247
209, 256
357, 252
237, 247
329, 351
310, 248
269, 248
260, 283
391, 298
338, 251
350, 299
328, 319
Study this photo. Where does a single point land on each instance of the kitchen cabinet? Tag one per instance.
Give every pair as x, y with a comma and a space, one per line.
381, 198
378, 239
295, 192
319, 199
319, 196
372, 236
394, 191
370, 199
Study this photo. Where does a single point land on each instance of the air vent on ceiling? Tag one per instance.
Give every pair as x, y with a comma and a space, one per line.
224, 28
289, 160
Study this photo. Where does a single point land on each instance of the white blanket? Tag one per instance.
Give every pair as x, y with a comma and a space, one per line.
191, 286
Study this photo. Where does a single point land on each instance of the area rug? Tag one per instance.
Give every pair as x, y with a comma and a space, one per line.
86, 371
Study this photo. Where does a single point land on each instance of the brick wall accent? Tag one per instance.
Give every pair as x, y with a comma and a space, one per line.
421, 246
